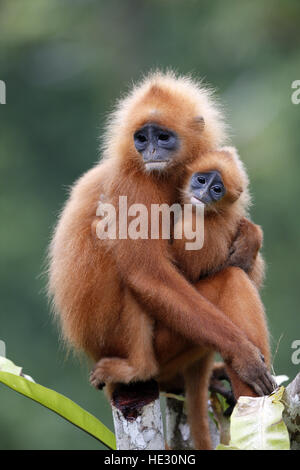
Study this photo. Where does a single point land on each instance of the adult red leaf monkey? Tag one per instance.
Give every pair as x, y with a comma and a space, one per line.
105, 291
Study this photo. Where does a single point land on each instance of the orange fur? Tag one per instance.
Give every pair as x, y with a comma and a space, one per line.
111, 294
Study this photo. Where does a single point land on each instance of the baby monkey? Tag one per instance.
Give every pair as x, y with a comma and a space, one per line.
219, 183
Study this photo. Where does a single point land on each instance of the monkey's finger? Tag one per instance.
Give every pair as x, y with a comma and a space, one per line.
257, 388
266, 384
270, 383
95, 383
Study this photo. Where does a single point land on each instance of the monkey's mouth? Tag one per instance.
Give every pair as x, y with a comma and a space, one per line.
195, 201
156, 164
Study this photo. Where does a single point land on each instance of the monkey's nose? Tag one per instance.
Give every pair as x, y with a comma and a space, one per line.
204, 197
150, 154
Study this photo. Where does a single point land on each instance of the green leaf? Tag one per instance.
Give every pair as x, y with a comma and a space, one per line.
223, 402
257, 424
61, 405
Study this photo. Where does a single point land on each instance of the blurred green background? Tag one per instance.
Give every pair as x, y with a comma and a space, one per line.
64, 63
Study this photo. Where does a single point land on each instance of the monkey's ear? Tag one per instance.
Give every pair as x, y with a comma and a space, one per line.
234, 195
198, 123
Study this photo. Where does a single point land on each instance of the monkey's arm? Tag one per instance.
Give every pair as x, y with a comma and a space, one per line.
244, 252
172, 300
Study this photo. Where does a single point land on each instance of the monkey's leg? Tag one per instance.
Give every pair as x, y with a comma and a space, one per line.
232, 292
197, 378
141, 363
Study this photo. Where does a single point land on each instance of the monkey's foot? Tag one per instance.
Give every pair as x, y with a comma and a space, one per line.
254, 372
217, 386
112, 370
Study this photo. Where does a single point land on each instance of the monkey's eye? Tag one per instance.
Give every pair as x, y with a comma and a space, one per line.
140, 141
164, 137
217, 189
201, 179
141, 138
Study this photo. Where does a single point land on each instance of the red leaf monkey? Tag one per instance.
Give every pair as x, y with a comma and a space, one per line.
108, 292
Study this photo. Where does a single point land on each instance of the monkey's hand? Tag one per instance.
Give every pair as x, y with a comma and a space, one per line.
246, 245
252, 369
216, 385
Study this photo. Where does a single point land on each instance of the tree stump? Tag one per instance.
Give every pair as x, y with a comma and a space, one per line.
137, 416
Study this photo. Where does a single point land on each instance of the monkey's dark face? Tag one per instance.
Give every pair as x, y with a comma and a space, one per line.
206, 188
157, 146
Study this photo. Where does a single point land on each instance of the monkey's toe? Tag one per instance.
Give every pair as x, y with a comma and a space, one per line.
96, 381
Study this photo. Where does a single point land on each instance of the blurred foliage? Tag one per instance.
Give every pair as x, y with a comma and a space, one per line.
64, 63
12, 376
